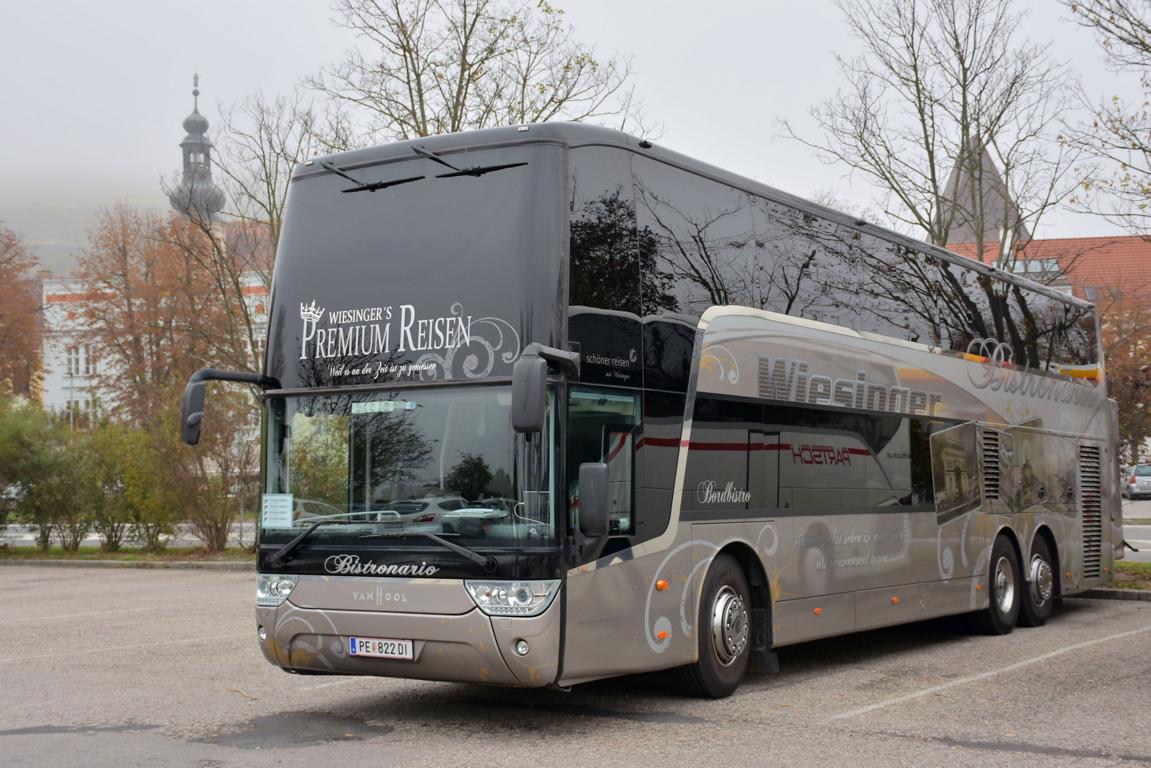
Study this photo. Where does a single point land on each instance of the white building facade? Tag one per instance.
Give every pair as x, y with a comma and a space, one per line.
72, 382
76, 374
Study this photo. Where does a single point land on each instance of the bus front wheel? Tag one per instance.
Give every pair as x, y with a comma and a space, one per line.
1004, 591
723, 632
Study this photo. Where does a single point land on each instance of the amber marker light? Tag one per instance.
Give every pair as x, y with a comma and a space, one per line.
662, 634
661, 585
895, 600
817, 611
978, 587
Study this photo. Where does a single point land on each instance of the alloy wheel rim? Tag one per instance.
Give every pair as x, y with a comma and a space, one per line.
1042, 580
729, 626
1004, 585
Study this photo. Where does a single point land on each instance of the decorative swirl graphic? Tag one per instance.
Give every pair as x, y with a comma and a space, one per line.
721, 363
495, 338
945, 555
946, 558
659, 631
992, 349
768, 549
661, 627
293, 616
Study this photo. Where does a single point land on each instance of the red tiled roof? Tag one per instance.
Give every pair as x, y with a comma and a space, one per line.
67, 298
1121, 262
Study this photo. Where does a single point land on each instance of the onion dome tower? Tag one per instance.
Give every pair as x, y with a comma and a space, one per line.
197, 195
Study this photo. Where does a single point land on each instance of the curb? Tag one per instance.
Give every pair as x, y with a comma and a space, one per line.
188, 565
1116, 594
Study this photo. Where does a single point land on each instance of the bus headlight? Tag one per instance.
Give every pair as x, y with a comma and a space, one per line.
513, 598
272, 589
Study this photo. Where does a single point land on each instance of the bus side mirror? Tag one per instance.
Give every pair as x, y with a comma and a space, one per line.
593, 499
191, 412
192, 407
529, 393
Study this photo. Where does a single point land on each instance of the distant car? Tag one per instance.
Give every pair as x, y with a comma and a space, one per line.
447, 514
308, 511
1137, 481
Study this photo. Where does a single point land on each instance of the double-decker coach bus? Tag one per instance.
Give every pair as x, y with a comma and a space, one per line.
547, 404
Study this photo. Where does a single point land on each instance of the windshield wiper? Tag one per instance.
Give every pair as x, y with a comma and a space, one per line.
488, 562
280, 554
475, 170
370, 187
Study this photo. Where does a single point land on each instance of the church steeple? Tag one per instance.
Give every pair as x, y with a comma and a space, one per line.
197, 195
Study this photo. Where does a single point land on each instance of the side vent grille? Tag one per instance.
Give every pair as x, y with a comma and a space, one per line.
1091, 509
990, 448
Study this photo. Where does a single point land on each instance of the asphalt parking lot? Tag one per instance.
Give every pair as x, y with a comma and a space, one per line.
110, 667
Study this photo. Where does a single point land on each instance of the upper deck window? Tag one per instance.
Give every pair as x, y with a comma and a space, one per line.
721, 245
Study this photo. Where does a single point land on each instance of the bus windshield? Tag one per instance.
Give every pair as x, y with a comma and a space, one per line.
396, 465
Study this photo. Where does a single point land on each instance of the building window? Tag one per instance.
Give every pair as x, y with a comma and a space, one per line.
90, 360
72, 360
1035, 266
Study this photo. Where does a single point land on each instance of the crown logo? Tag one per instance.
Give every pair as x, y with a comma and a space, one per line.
311, 312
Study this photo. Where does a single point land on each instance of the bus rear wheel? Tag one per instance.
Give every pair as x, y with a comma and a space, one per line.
1039, 589
1004, 591
723, 629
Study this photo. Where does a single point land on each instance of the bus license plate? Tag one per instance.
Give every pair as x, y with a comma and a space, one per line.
381, 648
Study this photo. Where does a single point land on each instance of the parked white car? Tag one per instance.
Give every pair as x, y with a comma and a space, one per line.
446, 514
1137, 481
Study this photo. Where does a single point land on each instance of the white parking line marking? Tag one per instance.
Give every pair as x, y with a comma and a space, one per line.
981, 676
89, 651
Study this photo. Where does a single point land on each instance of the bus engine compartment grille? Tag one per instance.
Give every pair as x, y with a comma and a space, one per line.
990, 449
1090, 506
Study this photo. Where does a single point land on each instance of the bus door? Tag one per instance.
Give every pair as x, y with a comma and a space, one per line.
763, 450
603, 633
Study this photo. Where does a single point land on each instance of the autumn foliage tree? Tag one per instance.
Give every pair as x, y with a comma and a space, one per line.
156, 313
1125, 329
19, 315
152, 311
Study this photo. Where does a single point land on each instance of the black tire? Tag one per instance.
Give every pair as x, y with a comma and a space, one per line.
1004, 591
723, 629
1038, 586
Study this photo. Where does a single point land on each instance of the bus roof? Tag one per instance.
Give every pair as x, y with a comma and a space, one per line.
573, 135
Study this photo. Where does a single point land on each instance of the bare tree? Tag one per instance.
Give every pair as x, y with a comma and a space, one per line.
260, 142
1118, 134
440, 66
944, 93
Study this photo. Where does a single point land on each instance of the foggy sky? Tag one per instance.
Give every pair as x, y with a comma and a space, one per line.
94, 93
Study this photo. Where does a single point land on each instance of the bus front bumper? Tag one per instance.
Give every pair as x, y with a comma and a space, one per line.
468, 647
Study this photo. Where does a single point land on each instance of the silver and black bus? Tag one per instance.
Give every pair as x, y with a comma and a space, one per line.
548, 404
